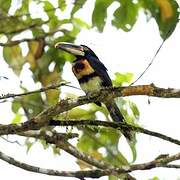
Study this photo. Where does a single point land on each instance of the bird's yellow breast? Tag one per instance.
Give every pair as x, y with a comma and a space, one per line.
94, 84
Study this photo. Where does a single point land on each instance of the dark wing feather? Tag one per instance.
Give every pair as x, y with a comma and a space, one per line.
100, 69
114, 111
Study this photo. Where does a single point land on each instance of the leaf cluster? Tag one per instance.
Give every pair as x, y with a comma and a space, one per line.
28, 38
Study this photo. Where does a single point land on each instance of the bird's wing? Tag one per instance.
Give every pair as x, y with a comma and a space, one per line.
101, 70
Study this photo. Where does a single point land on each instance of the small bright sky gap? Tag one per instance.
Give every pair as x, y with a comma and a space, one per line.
120, 52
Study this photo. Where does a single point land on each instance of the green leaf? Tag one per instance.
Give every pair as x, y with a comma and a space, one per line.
50, 11
24, 9
78, 113
32, 104
62, 4
120, 78
17, 119
130, 117
169, 10
16, 105
79, 22
134, 109
28, 144
166, 14
107, 138
117, 159
113, 178
132, 146
13, 56
87, 144
100, 13
36, 49
110, 139
44, 144
126, 15
155, 178
56, 150
5, 5
48, 7
78, 4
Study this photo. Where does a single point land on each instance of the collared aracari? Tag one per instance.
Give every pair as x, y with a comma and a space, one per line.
92, 76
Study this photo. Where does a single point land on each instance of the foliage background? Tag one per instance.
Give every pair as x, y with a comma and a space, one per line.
28, 39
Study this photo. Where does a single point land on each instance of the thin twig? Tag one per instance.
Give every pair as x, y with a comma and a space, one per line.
4, 77
12, 142
175, 166
27, 14
28, 27
50, 87
154, 57
50, 135
13, 43
152, 60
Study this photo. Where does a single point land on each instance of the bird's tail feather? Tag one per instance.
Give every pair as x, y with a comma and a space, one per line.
117, 116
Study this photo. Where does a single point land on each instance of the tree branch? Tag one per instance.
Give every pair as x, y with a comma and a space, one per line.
31, 125
49, 135
175, 166
97, 173
43, 118
114, 125
60, 140
13, 43
113, 92
26, 14
28, 27
53, 86
105, 95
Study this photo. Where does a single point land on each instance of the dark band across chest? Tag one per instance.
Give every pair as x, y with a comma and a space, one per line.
86, 78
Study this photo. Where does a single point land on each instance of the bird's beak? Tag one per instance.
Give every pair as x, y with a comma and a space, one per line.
70, 48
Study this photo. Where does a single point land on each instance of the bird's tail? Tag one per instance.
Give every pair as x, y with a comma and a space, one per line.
117, 116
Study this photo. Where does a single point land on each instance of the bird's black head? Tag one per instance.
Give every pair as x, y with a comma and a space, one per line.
76, 50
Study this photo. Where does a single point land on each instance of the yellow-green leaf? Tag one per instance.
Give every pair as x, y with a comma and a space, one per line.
17, 119
13, 56
166, 14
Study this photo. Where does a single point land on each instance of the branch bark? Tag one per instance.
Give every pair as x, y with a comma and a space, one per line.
15, 42
106, 94
97, 173
45, 119
114, 125
112, 92
61, 141
53, 86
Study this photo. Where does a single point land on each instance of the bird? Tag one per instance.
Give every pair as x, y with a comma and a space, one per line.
92, 76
